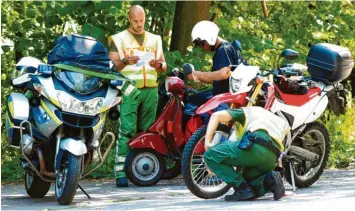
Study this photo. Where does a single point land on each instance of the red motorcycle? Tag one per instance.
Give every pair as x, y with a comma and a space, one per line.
161, 146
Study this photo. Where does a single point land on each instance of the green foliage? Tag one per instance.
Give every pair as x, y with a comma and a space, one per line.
296, 25
342, 135
10, 164
106, 170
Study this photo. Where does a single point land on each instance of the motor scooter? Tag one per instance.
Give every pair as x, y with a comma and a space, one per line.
160, 147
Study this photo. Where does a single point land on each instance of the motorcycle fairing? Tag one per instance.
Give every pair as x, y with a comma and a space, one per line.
159, 124
45, 118
101, 92
46, 88
301, 113
192, 126
149, 140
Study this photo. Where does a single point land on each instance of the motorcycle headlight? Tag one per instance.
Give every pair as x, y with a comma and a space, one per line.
234, 85
70, 104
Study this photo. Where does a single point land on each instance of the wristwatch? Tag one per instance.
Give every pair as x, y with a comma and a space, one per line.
124, 61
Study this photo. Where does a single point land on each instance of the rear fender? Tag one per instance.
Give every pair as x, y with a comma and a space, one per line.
149, 140
217, 100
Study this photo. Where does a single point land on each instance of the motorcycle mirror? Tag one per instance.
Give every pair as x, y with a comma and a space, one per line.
188, 69
45, 69
114, 114
289, 54
176, 72
237, 45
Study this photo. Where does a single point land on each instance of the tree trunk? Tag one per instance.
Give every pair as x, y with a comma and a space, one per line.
187, 14
20, 8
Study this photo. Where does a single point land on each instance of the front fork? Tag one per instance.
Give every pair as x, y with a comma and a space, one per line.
57, 146
251, 101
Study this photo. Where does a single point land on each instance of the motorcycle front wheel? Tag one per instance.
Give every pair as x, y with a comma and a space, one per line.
194, 170
67, 179
314, 138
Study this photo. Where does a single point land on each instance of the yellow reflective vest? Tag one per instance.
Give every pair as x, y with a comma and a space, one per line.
142, 73
257, 118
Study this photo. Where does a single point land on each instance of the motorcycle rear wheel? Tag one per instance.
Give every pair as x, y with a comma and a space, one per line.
314, 138
194, 169
67, 179
35, 186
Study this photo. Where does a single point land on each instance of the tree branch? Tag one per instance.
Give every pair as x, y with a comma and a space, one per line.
263, 4
214, 17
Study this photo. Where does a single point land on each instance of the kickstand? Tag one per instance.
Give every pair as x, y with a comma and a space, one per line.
292, 176
82, 189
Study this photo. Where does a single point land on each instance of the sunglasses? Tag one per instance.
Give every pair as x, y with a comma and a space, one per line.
198, 42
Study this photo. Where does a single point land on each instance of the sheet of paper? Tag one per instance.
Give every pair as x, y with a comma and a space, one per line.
144, 57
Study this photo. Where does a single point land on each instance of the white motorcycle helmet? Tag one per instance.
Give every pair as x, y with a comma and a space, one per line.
205, 30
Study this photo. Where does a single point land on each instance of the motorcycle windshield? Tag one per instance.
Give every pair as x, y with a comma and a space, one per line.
79, 82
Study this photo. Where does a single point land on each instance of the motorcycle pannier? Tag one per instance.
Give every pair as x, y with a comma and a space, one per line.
17, 111
329, 63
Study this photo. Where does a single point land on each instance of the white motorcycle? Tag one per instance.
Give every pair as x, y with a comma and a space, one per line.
299, 100
57, 123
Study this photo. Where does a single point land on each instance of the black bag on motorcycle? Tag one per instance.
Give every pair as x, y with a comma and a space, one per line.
329, 63
80, 51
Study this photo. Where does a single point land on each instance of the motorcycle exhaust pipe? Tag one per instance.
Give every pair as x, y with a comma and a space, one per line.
42, 164
303, 153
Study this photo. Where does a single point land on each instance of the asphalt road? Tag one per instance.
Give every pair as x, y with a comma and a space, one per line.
335, 191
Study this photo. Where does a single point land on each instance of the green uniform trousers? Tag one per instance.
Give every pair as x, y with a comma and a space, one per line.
256, 162
136, 115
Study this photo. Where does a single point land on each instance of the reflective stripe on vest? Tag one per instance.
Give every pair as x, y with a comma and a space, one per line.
144, 75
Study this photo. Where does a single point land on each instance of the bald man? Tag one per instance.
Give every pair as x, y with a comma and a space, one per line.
138, 55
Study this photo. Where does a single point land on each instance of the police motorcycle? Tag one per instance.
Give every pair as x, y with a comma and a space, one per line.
57, 122
298, 99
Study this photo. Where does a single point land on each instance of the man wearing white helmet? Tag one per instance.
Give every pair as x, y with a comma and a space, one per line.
205, 35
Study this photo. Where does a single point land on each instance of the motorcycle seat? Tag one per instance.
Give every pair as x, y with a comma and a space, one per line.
298, 99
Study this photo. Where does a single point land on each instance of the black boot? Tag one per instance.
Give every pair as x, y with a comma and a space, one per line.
121, 182
242, 193
273, 182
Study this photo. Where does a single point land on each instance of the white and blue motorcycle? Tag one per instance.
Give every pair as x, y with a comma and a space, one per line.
58, 121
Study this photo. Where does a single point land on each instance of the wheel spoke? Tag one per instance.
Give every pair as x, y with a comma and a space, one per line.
203, 177
200, 175
198, 167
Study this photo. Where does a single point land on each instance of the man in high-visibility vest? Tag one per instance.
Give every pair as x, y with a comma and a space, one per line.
257, 151
138, 55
